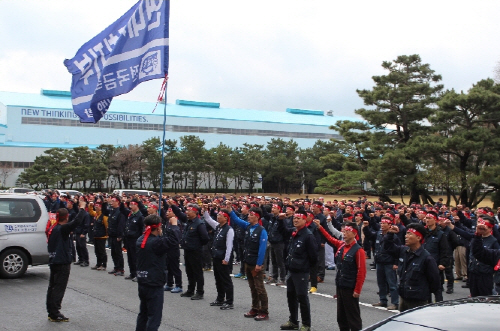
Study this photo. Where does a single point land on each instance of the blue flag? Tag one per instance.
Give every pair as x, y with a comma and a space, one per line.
130, 51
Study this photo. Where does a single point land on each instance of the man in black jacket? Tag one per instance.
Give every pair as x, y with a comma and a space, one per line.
116, 229
275, 230
436, 243
385, 262
151, 250
480, 274
488, 256
80, 234
418, 271
60, 257
194, 236
302, 255
133, 230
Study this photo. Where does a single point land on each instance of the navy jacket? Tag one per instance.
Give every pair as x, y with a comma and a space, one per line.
418, 272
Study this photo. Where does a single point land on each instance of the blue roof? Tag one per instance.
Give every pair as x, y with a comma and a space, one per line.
54, 101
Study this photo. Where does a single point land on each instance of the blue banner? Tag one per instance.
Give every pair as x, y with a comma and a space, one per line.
130, 51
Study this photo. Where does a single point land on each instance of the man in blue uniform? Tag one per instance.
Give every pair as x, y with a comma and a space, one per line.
255, 250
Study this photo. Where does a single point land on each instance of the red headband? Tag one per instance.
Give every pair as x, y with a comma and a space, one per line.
153, 206
348, 218
254, 214
290, 208
134, 203
192, 209
389, 215
431, 216
224, 214
300, 216
353, 230
147, 232
415, 232
484, 222
277, 207
350, 228
385, 220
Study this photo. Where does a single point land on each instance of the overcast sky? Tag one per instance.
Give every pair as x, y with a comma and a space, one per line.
268, 55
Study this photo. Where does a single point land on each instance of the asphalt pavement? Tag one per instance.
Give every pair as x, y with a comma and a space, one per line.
95, 300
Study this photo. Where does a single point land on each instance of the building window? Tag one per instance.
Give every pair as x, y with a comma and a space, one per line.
178, 128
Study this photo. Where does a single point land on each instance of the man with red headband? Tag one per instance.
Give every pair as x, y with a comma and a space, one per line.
100, 232
134, 226
174, 273
239, 234
351, 274
386, 274
436, 243
151, 250
317, 209
194, 236
418, 272
302, 256
60, 257
275, 230
480, 274
222, 253
116, 229
255, 250
488, 256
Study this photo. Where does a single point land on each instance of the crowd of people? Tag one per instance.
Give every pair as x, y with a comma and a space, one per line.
415, 249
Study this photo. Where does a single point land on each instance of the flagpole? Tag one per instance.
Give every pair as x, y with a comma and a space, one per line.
163, 146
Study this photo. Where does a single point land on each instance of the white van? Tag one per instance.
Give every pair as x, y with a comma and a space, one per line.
20, 190
70, 193
23, 219
133, 192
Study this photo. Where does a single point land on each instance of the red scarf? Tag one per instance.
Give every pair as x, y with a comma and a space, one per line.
51, 224
147, 232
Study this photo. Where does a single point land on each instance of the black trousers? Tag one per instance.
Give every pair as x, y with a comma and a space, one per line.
100, 252
81, 248
297, 295
174, 274
348, 312
116, 253
240, 253
480, 284
367, 246
321, 262
313, 272
450, 278
207, 255
236, 245
59, 275
410, 304
194, 271
131, 255
150, 309
223, 281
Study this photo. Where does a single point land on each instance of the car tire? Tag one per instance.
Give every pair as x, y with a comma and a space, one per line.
13, 263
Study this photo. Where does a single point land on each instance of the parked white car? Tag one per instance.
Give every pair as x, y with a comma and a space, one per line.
23, 219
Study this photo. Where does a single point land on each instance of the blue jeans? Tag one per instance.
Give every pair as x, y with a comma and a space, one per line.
387, 282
